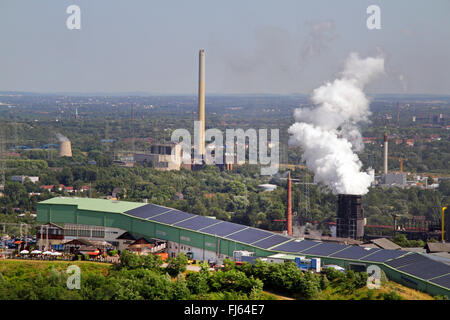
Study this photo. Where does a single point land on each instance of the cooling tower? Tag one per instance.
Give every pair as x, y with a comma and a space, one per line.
65, 149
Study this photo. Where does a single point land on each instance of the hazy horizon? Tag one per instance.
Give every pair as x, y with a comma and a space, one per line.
252, 47
210, 94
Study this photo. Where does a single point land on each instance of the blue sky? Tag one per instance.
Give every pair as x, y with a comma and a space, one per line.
252, 46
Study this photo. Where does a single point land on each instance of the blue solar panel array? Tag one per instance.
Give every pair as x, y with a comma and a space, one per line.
172, 217
408, 259
147, 211
271, 241
223, 229
442, 281
383, 255
426, 269
249, 235
325, 249
197, 223
296, 246
354, 252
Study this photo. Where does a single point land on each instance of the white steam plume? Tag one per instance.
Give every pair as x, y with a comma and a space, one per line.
61, 138
329, 134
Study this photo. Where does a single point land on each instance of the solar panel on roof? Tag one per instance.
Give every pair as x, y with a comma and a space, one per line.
223, 229
426, 269
147, 211
325, 249
354, 252
172, 217
442, 281
383, 255
249, 235
296, 246
408, 259
197, 223
271, 241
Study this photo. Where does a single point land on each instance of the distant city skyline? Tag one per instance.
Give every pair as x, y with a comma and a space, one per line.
252, 47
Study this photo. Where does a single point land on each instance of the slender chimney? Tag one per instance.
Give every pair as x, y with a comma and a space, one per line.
289, 205
398, 113
386, 153
201, 101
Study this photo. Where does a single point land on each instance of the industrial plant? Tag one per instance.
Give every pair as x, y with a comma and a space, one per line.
205, 238
330, 144
236, 151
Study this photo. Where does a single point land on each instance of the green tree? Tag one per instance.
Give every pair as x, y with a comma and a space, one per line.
129, 260
152, 262
177, 265
180, 289
197, 282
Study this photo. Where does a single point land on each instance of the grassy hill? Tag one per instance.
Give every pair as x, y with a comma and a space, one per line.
31, 268
389, 290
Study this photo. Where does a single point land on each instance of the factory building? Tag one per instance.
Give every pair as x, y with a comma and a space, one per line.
52, 235
22, 179
395, 179
203, 238
163, 156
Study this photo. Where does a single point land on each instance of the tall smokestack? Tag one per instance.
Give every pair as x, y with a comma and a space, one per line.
386, 138
398, 113
289, 205
201, 101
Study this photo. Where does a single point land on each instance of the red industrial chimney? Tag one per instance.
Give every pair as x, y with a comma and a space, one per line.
289, 206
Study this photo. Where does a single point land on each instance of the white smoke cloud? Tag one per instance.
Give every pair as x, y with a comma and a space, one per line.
318, 40
61, 138
329, 134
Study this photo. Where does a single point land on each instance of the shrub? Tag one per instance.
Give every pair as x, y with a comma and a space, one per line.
324, 282
180, 290
112, 253
390, 296
197, 282
177, 265
152, 262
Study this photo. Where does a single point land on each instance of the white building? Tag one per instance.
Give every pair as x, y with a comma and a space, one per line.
22, 179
